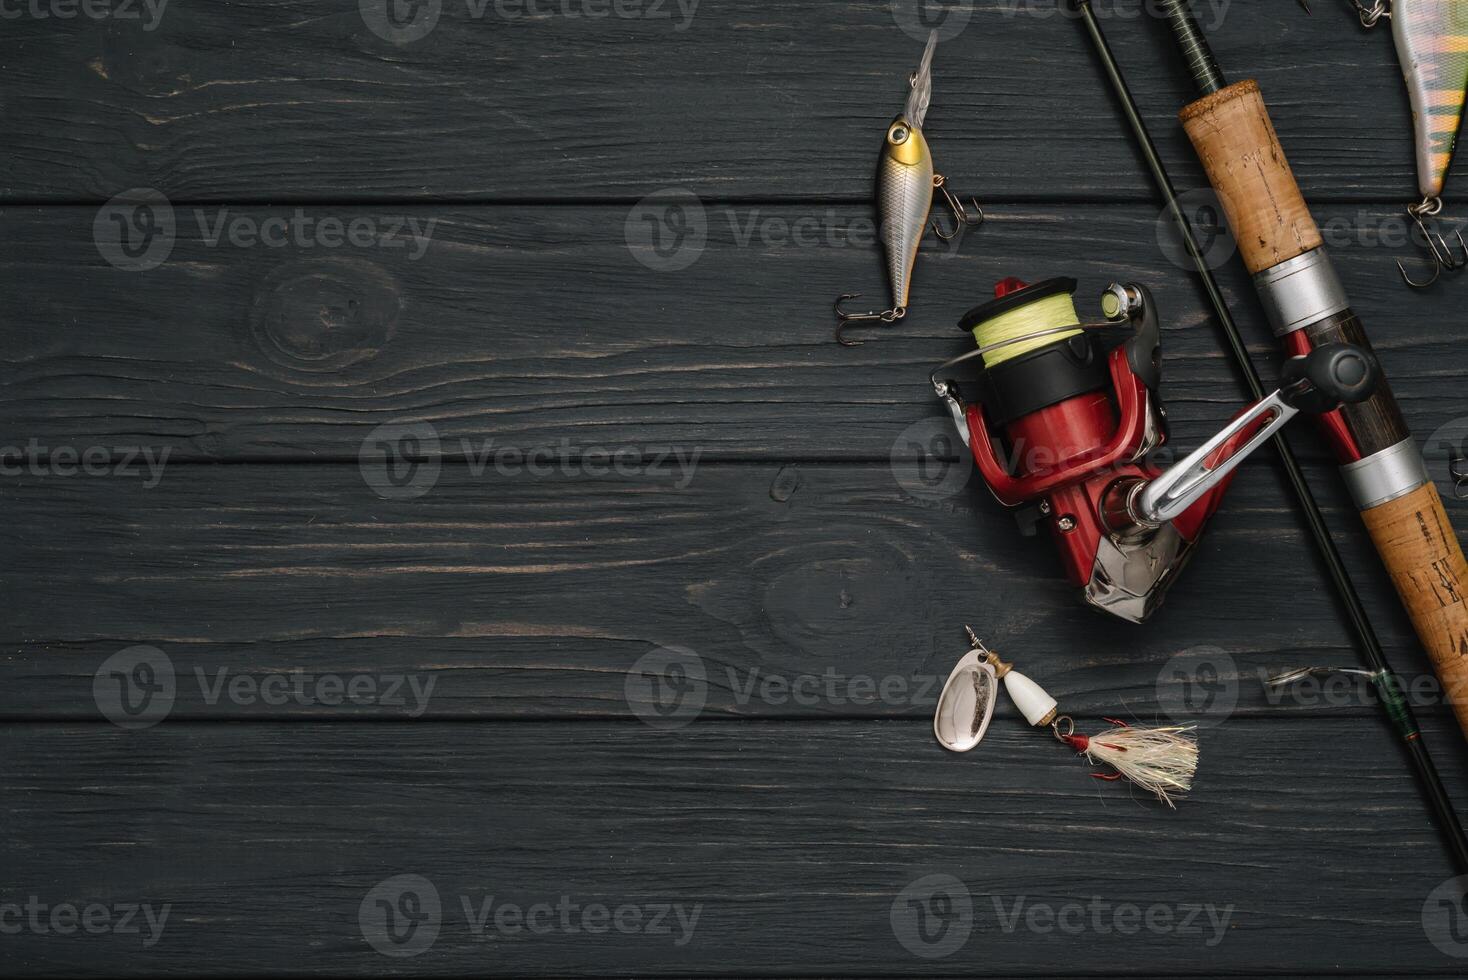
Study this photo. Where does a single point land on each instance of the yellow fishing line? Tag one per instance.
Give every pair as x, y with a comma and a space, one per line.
1043, 314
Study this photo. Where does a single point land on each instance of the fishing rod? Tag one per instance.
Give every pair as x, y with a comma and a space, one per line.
1385, 680
1307, 306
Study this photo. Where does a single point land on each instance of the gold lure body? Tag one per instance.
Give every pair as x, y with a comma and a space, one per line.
904, 201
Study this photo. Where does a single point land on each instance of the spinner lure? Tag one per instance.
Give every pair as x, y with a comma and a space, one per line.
1160, 760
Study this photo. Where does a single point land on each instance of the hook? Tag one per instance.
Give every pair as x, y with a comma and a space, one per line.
1437, 271
957, 207
1291, 676
845, 319
1439, 252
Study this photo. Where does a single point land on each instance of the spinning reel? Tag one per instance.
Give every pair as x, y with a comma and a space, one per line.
1068, 428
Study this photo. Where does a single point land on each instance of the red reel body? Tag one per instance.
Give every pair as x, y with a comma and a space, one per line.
1070, 429
1078, 448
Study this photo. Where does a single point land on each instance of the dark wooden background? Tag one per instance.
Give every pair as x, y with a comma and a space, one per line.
802, 545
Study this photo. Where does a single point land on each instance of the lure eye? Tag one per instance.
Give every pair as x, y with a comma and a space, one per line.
897, 135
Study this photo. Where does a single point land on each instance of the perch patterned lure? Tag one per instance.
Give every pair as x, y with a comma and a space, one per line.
905, 186
1432, 45
1160, 760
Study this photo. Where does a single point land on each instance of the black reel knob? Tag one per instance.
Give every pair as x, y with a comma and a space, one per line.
1329, 376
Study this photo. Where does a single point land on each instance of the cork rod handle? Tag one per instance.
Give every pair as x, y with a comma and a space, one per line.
1235, 139
1426, 563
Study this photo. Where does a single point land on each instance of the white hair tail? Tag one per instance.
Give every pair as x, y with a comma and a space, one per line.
1160, 760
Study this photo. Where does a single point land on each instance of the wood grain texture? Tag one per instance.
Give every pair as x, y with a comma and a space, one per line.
271, 100
813, 591
529, 326
794, 840
632, 227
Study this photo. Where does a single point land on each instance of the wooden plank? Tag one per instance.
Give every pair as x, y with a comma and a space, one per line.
799, 591
268, 100
791, 844
454, 685
526, 327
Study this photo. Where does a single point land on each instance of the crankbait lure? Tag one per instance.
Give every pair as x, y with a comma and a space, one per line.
1432, 45
905, 186
1160, 760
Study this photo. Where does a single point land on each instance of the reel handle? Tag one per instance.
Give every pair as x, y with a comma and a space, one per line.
1317, 382
1330, 375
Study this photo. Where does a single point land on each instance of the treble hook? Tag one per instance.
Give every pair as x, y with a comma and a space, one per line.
960, 212
1440, 253
845, 319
